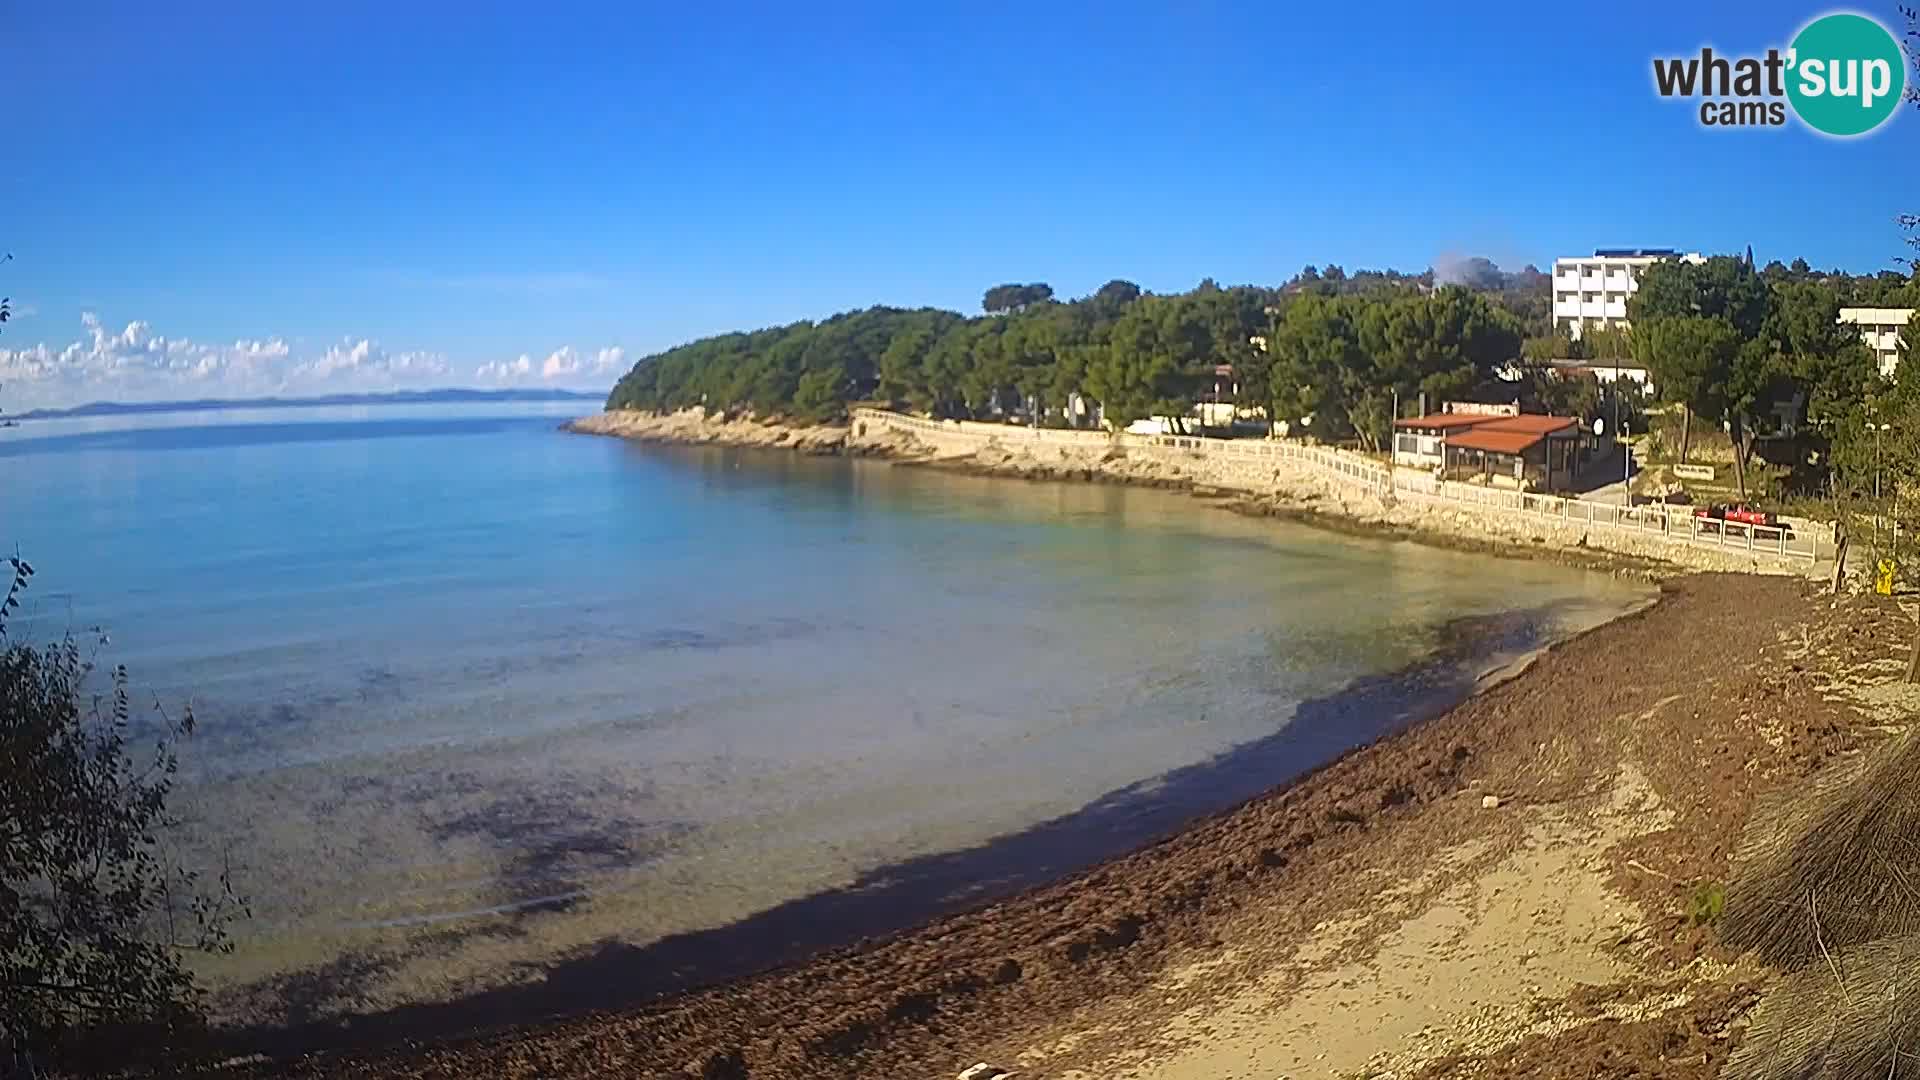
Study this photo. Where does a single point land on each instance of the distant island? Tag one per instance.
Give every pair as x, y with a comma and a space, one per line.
395, 397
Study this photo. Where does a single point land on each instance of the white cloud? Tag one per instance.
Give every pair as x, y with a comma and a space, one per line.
506, 370
367, 360
564, 365
134, 363
611, 360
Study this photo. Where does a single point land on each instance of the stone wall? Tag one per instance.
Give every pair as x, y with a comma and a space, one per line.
1324, 481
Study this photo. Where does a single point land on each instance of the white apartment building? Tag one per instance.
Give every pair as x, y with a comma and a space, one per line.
1880, 328
1593, 290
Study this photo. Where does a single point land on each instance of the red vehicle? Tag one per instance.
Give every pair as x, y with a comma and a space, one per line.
1716, 516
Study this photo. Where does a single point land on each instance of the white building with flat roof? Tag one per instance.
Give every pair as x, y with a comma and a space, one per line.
1593, 290
1880, 328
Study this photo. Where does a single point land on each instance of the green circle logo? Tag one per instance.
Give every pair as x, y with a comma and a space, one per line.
1845, 74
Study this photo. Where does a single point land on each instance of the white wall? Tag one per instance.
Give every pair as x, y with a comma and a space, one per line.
1593, 290
1881, 329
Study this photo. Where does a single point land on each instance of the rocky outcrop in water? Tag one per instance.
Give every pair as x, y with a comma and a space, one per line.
697, 427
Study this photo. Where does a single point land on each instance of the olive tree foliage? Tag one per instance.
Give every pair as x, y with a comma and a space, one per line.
1339, 361
1875, 453
95, 917
1745, 351
1911, 222
1324, 353
1874, 481
1005, 298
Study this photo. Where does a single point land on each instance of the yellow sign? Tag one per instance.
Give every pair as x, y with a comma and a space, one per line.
1883, 578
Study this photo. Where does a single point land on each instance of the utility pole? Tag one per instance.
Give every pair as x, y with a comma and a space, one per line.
1393, 441
1620, 433
1878, 428
1877, 507
1626, 462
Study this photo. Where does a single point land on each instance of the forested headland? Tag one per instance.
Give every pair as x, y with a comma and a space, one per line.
1328, 347
1135, 354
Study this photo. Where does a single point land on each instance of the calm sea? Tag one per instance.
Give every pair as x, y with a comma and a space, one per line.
476, 695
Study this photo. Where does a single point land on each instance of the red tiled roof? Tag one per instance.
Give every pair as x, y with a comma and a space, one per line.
1444, 421
1533, 423
1495, 442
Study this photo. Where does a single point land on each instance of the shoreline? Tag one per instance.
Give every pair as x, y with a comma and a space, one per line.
1312, 506
1615, 790
1107, 969
1476, 655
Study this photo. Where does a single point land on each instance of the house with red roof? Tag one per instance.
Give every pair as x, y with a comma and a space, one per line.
1495, 444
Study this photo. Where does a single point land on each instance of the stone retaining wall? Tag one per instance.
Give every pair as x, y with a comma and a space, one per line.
1327, 481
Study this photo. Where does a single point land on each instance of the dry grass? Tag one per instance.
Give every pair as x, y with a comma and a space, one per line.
1857, 1015
1833, 865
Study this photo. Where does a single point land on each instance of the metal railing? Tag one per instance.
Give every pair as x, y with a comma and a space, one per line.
1680, 526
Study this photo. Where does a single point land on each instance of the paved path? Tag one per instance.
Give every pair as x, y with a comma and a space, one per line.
1609, 466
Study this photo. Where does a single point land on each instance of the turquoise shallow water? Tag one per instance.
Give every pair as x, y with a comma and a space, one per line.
476, 694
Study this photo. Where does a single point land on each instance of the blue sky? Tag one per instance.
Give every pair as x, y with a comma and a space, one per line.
274, 197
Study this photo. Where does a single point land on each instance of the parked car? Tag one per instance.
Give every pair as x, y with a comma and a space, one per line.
1716, 517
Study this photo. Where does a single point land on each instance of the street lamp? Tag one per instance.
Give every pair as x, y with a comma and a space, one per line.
1878, 430
1393, 445
1616, 394
1626, 468
1876, 459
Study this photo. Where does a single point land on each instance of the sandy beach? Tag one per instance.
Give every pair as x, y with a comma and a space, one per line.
1501, 891
1512, 888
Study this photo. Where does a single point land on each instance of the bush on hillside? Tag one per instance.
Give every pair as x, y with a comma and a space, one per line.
94, 917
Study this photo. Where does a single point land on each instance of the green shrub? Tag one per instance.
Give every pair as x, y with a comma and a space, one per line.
1707, 903
94, 918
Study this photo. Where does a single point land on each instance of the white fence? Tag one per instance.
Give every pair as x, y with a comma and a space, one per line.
1677, 525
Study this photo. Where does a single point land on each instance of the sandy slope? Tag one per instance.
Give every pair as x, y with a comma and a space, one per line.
1374, 919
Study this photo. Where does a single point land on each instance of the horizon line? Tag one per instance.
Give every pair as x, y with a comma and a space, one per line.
357, 397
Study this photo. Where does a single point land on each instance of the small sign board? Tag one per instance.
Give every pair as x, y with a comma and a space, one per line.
1693, 472
1481, 408
1883, 577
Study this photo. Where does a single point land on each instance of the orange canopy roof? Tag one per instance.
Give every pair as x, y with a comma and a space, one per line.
1535, 423
1496, 442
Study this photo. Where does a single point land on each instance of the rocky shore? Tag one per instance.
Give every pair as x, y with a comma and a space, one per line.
1295, 493
693, 427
